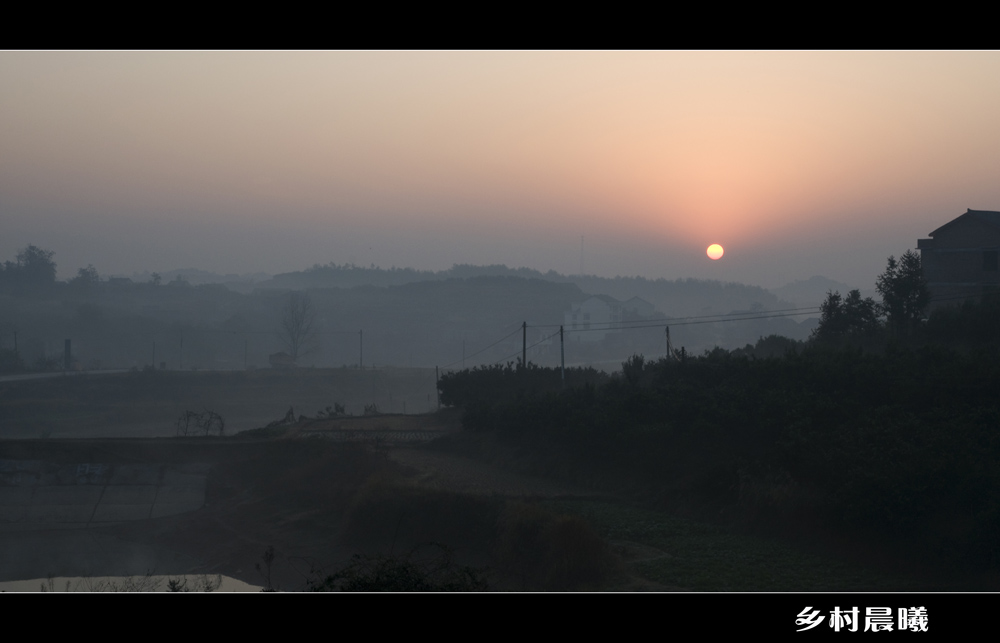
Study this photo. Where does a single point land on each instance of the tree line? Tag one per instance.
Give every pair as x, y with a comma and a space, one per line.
882, 427
852, 319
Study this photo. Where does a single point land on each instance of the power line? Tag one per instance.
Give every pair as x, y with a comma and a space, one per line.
673, 320
484, 349
705, 319
682, 321
500, 361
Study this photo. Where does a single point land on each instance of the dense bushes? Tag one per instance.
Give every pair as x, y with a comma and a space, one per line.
906, 443
500, 383
409, 573
528, 546
537, 548
969, 326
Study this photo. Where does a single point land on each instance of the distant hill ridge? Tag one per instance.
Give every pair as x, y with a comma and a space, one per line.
672, 297
685, 296
812, 291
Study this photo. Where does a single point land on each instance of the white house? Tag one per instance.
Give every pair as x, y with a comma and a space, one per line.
593, 319
638, 307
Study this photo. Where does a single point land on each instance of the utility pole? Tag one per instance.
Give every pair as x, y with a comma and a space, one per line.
562, 357
524, 344
670, 349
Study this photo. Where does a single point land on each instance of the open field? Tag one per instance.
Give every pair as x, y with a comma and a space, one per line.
148, 403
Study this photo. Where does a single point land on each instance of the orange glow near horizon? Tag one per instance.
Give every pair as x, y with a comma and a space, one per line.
638, 150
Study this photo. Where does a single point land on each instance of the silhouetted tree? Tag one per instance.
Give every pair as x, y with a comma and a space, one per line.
33, 267
298, 325
904, 292
632, 369
86, 277
775, 346
845, 318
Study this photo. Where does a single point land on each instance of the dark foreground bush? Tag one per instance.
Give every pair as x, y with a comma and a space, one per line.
433, 571
531, 548
540, 549
387, 514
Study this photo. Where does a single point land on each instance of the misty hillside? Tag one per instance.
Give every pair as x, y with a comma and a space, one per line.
395, 317
812, 291
674, 298
678, 297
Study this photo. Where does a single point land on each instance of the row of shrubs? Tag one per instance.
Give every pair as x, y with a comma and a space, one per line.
905, 442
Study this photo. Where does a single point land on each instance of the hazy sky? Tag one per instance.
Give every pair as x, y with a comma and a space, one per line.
798, 163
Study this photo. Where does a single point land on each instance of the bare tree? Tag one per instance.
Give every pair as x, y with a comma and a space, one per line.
298, 325
207, 423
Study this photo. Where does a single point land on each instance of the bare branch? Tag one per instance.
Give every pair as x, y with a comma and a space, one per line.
298, 325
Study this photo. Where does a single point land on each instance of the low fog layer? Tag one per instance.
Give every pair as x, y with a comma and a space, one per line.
352, 316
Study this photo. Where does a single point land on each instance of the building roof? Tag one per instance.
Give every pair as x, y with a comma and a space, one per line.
990, 217
608, 299
638, 300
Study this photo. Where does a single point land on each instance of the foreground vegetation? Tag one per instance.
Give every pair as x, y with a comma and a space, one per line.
891, 445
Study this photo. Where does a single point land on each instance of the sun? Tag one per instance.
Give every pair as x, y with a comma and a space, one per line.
715, 252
